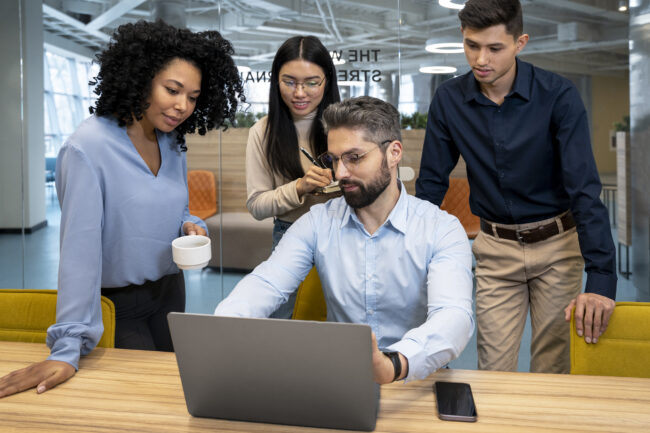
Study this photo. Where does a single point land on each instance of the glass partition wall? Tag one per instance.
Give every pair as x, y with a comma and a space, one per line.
22, 184
378, 49
11, 185
363, 40
396, 50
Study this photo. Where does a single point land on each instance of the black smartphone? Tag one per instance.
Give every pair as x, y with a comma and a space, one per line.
455, 401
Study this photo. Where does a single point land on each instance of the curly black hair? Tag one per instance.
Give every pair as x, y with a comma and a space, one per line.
138, 51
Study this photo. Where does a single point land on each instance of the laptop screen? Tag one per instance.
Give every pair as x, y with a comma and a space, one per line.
316, 374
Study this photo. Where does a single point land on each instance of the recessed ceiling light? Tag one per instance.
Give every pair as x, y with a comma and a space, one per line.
622, 6
444, 47
459, 4
438, 69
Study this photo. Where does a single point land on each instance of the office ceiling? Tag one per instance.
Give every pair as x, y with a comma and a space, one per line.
573, 36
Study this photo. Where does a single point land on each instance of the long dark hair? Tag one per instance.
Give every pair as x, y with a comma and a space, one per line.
281, 136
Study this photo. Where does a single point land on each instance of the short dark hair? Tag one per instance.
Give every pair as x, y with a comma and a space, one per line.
138, 51
481, 14
378, 119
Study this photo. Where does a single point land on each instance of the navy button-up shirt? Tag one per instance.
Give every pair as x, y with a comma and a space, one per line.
528, 159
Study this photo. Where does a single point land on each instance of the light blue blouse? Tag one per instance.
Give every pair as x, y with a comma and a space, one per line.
411, 280
117, 224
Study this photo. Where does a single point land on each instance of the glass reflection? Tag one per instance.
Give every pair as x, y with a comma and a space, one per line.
379, 48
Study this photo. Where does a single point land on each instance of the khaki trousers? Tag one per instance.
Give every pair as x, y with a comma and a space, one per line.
510, 277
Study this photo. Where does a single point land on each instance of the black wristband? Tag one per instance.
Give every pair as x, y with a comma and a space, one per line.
397, 363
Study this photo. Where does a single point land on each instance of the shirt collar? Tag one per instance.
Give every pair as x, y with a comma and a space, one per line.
397, 217
523, 80
521, 86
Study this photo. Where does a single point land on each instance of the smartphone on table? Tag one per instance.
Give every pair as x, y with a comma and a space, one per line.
455, 401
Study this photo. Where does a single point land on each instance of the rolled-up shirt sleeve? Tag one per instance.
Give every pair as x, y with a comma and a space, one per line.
78, 326
449, 324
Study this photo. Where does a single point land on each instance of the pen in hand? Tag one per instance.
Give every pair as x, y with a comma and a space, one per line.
311, 158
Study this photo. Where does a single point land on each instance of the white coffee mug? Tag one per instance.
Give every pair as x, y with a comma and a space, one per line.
191, 252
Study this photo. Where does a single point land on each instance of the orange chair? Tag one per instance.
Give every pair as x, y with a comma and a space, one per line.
203, 193
456, 202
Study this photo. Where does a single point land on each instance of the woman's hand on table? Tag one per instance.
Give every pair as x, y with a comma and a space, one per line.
43, 375
316, 177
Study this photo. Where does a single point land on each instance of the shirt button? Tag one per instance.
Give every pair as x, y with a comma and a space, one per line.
370, 312
501, 175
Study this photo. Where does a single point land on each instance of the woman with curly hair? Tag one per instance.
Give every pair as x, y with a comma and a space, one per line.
121, 182
280, 179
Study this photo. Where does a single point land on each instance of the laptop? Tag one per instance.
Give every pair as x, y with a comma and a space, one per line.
315, 374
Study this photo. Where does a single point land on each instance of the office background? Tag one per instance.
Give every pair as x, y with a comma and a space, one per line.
397, 50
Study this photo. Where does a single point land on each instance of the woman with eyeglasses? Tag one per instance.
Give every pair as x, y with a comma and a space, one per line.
280, 179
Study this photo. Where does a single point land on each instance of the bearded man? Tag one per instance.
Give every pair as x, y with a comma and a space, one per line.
385, 258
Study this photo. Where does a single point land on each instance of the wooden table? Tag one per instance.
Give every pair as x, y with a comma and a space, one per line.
136, 391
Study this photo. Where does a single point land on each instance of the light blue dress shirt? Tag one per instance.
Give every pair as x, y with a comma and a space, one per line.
117, 224
411, 280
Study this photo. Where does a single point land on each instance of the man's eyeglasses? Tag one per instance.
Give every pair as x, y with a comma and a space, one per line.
350, 159
309, 86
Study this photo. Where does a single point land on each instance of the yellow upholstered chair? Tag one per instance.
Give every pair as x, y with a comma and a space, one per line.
26, 314
310, 301
622, 350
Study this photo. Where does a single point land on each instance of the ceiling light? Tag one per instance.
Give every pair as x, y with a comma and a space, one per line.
438, 69
622, 6
443, 46
459, 4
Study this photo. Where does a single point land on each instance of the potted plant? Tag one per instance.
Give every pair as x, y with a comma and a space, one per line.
414, 121
623, 127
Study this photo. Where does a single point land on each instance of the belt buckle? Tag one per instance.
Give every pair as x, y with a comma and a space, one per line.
520, 238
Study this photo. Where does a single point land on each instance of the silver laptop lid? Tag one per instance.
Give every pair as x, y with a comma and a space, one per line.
316, 374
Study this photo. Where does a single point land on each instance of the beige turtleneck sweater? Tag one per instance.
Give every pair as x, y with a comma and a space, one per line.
272, 195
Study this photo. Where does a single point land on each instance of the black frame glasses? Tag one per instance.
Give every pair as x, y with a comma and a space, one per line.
350, 159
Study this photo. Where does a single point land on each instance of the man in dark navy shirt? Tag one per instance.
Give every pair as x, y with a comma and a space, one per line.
524, 135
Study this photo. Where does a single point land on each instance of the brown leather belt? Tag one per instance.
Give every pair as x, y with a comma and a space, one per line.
530, 236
